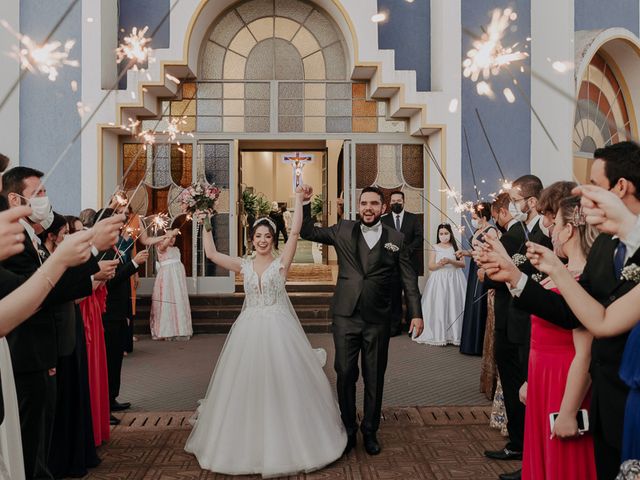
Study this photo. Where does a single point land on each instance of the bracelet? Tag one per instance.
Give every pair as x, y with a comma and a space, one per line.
51, 284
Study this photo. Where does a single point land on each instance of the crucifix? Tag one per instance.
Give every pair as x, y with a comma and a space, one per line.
297, 162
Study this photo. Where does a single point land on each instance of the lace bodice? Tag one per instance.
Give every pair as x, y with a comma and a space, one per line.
266, 291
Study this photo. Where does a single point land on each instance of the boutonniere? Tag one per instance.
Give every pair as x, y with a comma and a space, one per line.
391, 247
537, 277
631, 273
518, 259
42, 253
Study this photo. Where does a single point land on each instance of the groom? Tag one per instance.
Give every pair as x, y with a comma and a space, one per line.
368, 254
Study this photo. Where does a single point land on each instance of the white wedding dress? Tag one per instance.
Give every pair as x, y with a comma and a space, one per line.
269, 408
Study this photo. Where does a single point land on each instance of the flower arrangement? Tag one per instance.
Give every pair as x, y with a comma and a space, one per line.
519, 259
631, 273
391, 247
198, 200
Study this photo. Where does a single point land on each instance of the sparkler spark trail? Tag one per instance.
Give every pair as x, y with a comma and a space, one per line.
488, 55
135, 48
46, 58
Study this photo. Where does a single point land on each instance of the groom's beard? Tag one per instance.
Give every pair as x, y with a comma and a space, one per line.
376, 219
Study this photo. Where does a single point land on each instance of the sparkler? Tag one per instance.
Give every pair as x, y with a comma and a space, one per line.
46, 58
473, 173
136, 48
488, 55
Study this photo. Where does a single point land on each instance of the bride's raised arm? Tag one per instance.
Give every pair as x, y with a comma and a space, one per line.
225, 261
289, 250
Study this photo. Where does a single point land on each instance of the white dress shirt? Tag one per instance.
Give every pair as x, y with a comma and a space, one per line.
372, 234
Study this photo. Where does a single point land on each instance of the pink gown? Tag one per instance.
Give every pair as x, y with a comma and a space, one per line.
550, 357
92, 309
170, 310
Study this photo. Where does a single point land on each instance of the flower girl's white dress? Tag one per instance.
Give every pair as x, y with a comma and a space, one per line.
269, 408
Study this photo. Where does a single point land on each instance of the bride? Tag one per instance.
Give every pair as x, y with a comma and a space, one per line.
269, 408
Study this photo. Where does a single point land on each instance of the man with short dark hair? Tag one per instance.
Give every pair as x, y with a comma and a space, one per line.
369, 253
33, 344
615, 168
409, 224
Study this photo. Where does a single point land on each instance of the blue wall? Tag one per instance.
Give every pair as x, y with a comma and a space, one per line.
48, 115
140, 14
597, 14
508, 125
408, 32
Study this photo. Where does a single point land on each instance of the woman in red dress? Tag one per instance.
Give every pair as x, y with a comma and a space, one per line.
558, 374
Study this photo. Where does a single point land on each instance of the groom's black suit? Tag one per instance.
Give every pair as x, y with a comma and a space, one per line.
361, 308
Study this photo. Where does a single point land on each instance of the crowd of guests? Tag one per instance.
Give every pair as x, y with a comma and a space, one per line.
552, 300
66, 297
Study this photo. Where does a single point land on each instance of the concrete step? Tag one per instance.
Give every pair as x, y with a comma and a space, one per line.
297, 298
231, 312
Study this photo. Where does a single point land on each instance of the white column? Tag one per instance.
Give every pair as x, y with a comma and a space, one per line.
10, 113
551, 41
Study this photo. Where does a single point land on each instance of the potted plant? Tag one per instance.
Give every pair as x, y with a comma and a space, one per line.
317, 206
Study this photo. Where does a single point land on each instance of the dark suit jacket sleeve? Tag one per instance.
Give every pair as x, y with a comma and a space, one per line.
512, 245
9, 281
309, 231
410, 284
123, 272
75, 283
418, 236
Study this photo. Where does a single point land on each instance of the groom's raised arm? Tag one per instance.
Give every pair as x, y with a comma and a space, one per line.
309, 231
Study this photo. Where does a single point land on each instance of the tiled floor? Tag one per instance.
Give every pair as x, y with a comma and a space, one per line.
434, 426
417, 443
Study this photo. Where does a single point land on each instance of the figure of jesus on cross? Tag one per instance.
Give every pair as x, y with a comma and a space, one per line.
297, 162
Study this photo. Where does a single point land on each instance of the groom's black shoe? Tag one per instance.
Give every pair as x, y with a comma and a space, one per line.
517, 475
371, 445
351, 443
113, 420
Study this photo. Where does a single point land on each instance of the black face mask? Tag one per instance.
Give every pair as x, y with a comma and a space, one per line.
396, 208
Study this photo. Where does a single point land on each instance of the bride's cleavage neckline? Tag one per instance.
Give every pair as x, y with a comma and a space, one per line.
259, 277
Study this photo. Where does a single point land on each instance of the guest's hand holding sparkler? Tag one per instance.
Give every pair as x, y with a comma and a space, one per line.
74, 250
141, 257
11, 232
106, 232
544, 259
605, 210
107, 270
497, 264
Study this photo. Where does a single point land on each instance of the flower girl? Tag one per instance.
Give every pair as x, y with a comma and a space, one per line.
444, 293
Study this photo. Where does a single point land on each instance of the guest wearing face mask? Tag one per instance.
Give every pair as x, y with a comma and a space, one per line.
72, 447
443, 296
34, 351
409, 224
525, 195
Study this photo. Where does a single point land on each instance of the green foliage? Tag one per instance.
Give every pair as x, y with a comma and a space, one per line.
249, 203
317, 206
263, 206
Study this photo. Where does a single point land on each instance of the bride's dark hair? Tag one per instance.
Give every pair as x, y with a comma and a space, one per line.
265, 222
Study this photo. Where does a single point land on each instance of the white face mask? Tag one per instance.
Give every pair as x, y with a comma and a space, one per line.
444, 237
516, 213
545, 230
42, 212
475, 223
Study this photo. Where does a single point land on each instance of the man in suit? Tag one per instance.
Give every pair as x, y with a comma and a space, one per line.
616, 168
368, 255
114, 319
409, 224
512, 331
33, 345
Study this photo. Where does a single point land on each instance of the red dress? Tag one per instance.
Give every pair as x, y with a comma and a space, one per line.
92, 309
550, 357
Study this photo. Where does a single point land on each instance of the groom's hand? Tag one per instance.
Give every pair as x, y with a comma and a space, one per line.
416, 327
